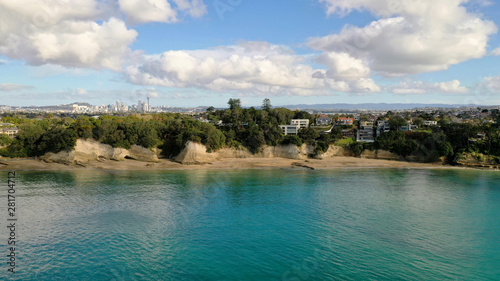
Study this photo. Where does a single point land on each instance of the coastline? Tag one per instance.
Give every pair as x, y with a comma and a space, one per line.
333, 163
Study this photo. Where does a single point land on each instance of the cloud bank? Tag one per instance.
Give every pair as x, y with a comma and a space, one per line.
410, 37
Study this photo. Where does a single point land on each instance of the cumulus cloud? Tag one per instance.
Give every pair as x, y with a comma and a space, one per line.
67, 35
142, 11
419, 88
9, 87
411, 36
250, 67
496, 52
344, 66
81, 33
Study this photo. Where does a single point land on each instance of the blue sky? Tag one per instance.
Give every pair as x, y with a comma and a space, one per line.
191, 53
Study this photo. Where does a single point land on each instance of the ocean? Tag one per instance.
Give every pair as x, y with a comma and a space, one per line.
270, 224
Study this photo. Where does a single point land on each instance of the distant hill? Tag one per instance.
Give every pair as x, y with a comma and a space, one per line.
374, 106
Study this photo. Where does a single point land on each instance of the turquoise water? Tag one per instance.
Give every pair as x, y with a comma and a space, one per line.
278, 224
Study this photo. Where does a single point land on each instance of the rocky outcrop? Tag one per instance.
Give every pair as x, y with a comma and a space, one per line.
478, 160
334, 151
195, 153
140, 153
91, 150
284, 151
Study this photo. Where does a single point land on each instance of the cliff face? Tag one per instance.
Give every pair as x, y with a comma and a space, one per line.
478, 160
91, 150
195, 153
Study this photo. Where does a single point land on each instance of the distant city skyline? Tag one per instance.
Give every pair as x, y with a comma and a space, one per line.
201, 53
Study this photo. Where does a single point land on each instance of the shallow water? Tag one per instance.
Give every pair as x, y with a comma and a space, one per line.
276, 224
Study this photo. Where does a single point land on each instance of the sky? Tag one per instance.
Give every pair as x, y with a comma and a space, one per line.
187, 53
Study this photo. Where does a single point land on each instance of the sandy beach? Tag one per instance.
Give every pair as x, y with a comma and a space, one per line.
230, 163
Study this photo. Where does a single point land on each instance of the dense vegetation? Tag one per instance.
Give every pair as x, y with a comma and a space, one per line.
238, 127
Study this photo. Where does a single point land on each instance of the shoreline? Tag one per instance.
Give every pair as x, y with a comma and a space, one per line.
334, 163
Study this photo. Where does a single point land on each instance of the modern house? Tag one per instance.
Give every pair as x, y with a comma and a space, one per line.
430, 123
290, 129
302, 123
295, 126
365, 132
323, 120
383, 127
408, 127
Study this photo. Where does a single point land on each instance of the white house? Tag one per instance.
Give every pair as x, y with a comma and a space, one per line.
302, 123
290, 129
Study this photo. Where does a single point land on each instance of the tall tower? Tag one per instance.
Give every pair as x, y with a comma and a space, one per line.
149, 108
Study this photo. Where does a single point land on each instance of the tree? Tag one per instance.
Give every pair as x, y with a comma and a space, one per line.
255, 138
302, 115
419, 122
234, 104
396, 122
266, 104
210, 109
336, 133
308, 134
291, 139
357, 148
5, 140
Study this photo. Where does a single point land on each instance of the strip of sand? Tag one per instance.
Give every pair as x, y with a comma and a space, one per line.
229, 163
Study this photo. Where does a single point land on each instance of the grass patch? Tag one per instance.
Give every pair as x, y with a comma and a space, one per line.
344, 142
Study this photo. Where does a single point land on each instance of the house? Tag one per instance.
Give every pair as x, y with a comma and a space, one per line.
302, 123
347, 134
290, 129
323, 120
295, 126
408, 127
365, 132
10, 131
430, 123
346, 120
366, 124
383, 126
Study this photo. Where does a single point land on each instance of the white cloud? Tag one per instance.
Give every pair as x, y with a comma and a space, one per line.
412, 36
142, 11
419, 88
493, 83
10, 87
50, 32
253, 67
195, 8
451, 87
496, 52
81, 33
343, 66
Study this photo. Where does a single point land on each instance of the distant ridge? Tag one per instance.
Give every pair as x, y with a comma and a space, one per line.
376, 106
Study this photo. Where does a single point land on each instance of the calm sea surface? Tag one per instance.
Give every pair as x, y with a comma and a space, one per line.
280, 224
